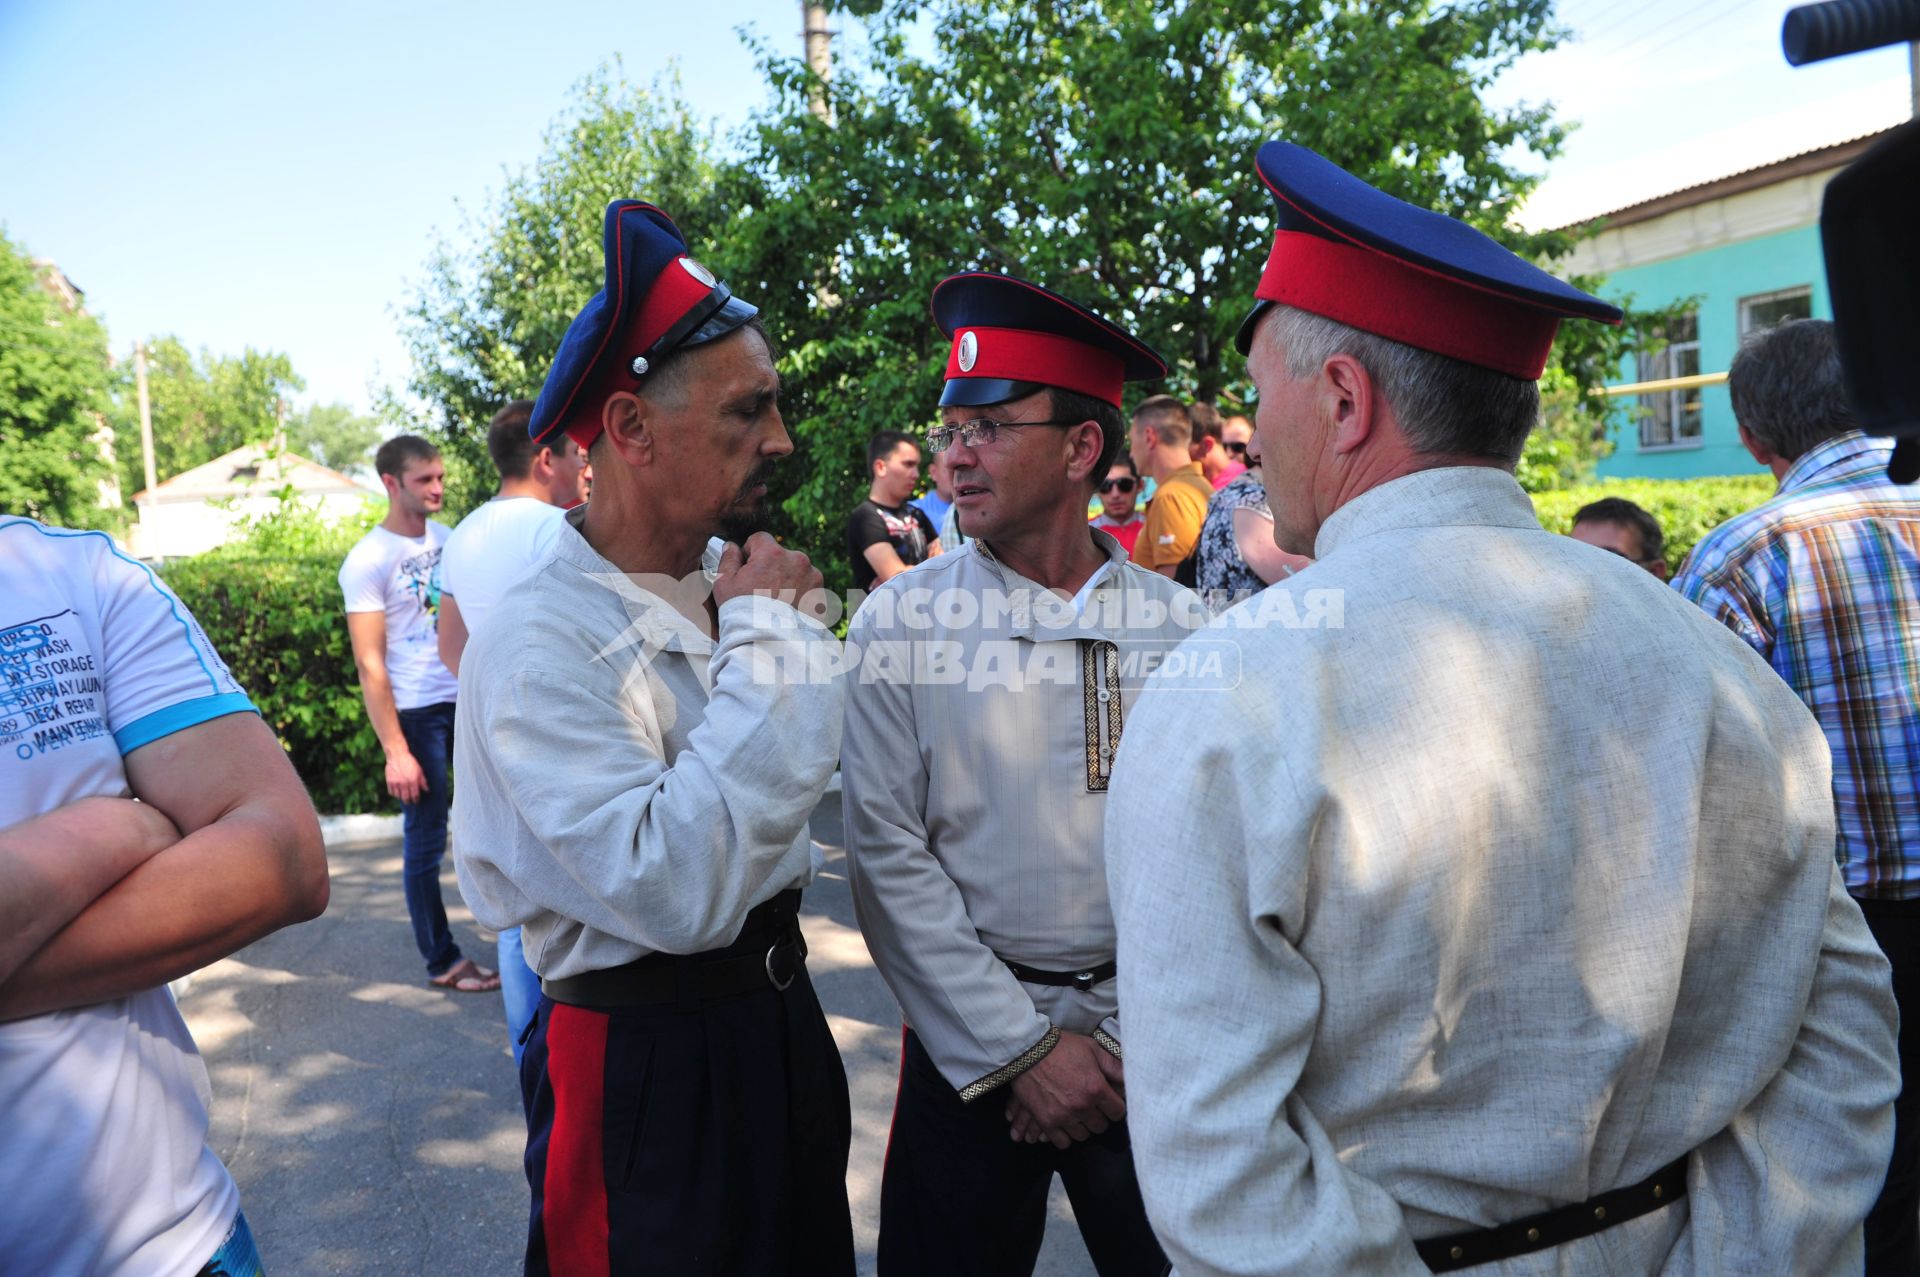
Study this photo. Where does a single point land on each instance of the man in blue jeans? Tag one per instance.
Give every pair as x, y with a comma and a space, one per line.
391, 580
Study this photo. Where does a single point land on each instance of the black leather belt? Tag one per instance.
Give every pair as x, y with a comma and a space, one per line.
1082, 980
769, 953
1558, 1226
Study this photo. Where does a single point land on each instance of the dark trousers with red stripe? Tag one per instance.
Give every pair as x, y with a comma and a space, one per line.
960, 1199
1893, 1225
707, 1140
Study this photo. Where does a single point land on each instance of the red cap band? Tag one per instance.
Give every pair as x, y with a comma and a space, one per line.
1017, 354
675, 291
1391, 298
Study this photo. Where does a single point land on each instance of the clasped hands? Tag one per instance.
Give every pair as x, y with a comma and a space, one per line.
1075, 1092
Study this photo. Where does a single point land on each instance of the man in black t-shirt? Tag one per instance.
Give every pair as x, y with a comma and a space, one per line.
886, 533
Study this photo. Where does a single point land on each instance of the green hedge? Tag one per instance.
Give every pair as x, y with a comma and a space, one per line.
1687, 509
278, 624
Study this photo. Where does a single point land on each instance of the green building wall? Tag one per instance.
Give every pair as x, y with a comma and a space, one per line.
1718, 278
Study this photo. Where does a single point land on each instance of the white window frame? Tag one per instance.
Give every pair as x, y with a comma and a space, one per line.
1653, 367
1748, 305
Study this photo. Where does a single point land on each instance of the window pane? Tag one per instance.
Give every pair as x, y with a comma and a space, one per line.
1688, 426
1667, 417
1769, 309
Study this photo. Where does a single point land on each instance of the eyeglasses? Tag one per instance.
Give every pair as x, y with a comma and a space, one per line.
980, 432
1119, 485
1236, 448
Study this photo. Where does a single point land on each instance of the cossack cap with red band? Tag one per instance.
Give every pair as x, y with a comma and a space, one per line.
1011, 338
1356, 255
656, 300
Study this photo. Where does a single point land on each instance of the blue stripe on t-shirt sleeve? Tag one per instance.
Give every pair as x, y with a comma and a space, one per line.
178, 717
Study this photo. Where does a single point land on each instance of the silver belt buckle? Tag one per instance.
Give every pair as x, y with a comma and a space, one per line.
772, 977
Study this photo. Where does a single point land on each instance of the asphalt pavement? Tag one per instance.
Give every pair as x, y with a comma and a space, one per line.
374, 1123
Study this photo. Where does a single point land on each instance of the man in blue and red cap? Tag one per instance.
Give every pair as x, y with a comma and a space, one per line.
636, 777
1497, 922
977, 750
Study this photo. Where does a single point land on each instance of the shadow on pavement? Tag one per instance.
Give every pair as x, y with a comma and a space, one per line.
374, 1123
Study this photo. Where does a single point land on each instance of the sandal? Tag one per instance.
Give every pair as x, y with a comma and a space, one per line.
466, 976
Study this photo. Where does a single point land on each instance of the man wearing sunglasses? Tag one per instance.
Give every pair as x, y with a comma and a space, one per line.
1236, 433
993, 687
1119, 515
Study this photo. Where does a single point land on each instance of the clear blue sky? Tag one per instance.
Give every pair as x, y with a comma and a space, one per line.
273, 175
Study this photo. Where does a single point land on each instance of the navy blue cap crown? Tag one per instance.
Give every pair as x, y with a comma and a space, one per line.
1011, 337
1349, 252
656, 300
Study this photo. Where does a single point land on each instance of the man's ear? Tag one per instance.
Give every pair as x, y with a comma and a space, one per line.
629, 428
1349, 400
1085, 443
1762, 454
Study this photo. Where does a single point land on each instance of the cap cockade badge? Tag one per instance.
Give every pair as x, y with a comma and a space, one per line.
969, 351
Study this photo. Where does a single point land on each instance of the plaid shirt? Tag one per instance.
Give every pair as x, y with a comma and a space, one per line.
1823, 580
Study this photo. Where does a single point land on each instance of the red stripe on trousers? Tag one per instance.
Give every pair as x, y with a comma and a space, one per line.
574, 1197
899, 1085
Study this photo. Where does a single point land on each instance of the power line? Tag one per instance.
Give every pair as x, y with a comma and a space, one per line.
1664, 36
1619, 21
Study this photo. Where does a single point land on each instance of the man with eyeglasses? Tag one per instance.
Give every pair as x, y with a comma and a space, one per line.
1119, 515
992, 689
1236, 434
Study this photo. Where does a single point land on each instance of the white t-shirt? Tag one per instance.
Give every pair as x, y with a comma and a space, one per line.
103, 1109
400, 576
493, 548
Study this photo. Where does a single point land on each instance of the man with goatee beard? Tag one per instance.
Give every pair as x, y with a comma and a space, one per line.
642, 752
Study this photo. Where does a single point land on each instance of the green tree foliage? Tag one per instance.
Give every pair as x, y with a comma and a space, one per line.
278, 625
270, 603
334, 435
483, 326
202, 405
1104, 148
54, 378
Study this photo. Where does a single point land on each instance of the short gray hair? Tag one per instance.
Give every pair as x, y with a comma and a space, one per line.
671, 379
1788, 388
1444, 405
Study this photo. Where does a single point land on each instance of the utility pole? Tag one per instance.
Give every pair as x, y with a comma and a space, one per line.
146, 418
819, 45
1913, 75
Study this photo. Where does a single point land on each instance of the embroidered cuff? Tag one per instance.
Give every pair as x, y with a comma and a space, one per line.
1007, 1072
1110, 1042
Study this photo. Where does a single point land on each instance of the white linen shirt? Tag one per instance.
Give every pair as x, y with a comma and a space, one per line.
1511, 889
629, 785
979, 737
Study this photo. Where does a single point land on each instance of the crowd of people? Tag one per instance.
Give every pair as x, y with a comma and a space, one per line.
1219, 543
1320, 869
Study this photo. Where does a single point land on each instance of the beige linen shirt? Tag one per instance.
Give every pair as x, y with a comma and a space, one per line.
980, 728
628, 784
1510, 889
